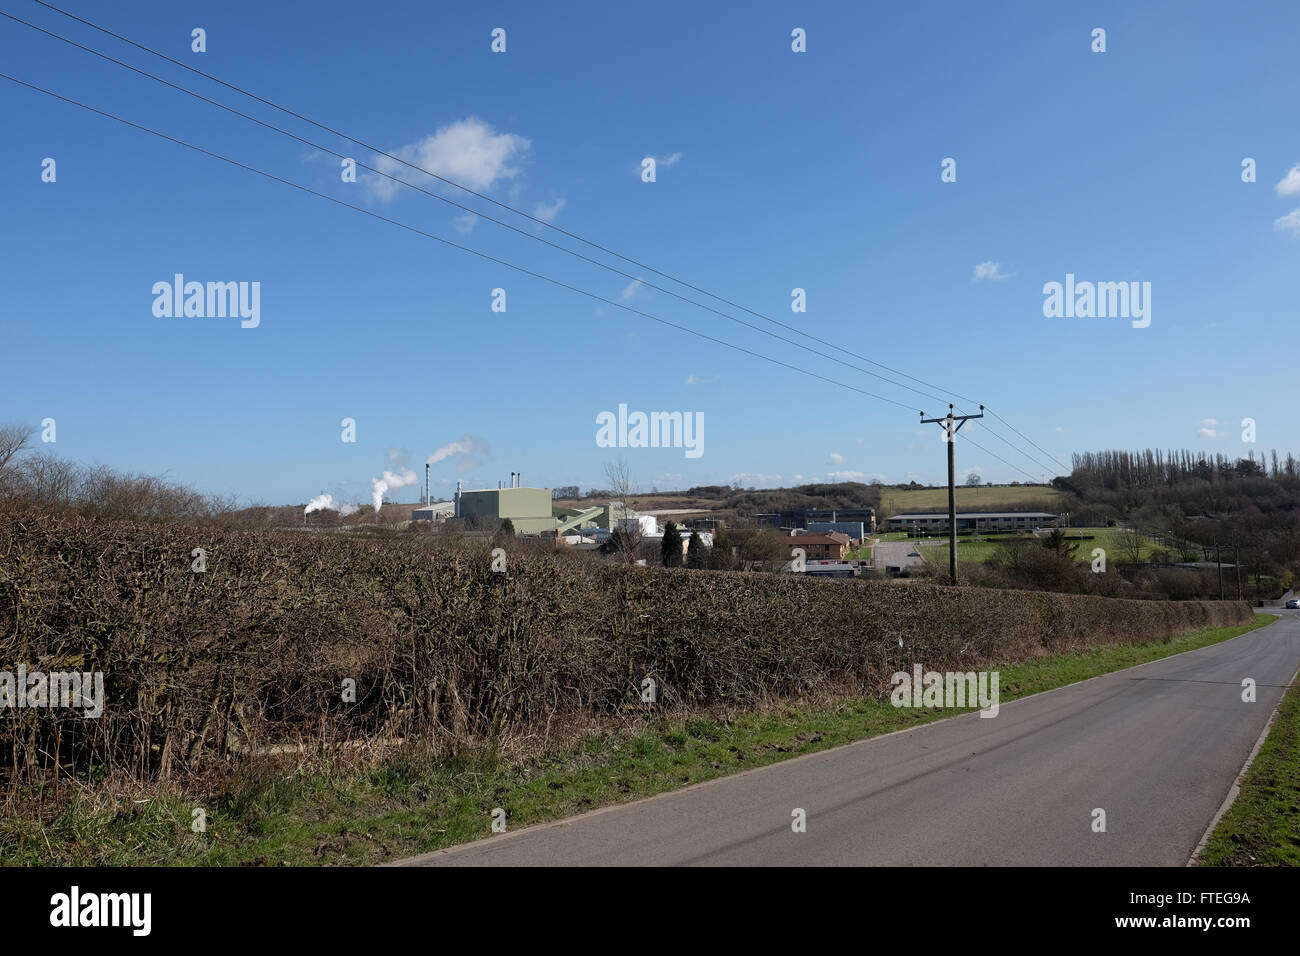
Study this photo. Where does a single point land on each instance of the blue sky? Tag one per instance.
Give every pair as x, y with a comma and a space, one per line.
817, 170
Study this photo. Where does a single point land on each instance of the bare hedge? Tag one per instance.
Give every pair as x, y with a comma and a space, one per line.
256, 649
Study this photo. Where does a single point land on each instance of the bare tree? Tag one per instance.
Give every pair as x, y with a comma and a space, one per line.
1132, 542
626, 540
13, 439
48, 479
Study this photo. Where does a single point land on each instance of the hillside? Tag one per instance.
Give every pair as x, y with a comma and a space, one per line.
985, 498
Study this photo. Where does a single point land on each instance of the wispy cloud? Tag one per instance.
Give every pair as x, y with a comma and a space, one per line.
1289, 223
1209, 429
661, 162
630, 290
989, 270
465, 224
548, 211
835, 458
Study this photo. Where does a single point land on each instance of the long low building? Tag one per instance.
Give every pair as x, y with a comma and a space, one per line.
935, 521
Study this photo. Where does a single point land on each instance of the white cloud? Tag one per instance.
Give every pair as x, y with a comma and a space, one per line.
1059, 429
748, 478
469, 152
548, 211
989, 270
692, 380
1290, 222
835, 458
1209, 429
630, 290
1289, 185
846, 475
465, 224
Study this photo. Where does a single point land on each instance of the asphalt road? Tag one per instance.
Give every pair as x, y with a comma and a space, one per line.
1157, 747
894, 553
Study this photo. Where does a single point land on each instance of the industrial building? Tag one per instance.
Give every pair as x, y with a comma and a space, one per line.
856, 530
529, 510
934, 522
800, 517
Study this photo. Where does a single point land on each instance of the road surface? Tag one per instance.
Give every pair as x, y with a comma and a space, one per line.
1157, 747
894, 554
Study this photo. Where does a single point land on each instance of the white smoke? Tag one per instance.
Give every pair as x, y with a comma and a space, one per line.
389, 480
327, 503
469, 447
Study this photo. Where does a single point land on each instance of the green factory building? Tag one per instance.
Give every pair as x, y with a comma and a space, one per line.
529, 511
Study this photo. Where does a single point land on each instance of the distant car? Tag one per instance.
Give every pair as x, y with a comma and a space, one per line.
1294, 604
914, 554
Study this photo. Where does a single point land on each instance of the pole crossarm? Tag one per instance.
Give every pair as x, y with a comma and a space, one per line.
952, 425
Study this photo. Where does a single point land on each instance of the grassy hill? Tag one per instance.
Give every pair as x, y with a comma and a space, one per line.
1010, 498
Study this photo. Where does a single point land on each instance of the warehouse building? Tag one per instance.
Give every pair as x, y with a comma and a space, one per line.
801, 517
934, 522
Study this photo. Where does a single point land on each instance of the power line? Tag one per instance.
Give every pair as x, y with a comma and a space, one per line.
538, 221
448, 242
506, 225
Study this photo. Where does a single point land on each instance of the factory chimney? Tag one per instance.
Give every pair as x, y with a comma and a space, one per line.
427, 501
457, 499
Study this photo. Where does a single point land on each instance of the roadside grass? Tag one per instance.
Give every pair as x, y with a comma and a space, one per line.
1262, 827
295, 815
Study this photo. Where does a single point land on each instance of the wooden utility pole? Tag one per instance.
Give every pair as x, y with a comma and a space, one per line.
951, 424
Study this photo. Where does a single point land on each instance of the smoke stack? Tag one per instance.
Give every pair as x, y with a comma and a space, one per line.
427, 500
520, 476
457, 499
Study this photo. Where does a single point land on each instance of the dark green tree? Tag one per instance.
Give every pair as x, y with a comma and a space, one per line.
695, 557
670, 550
1056, 542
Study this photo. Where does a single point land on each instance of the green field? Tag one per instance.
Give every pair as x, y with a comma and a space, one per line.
902, 500
982, 548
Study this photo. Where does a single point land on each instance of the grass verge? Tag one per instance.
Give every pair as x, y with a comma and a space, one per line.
1262, 827
287, 815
